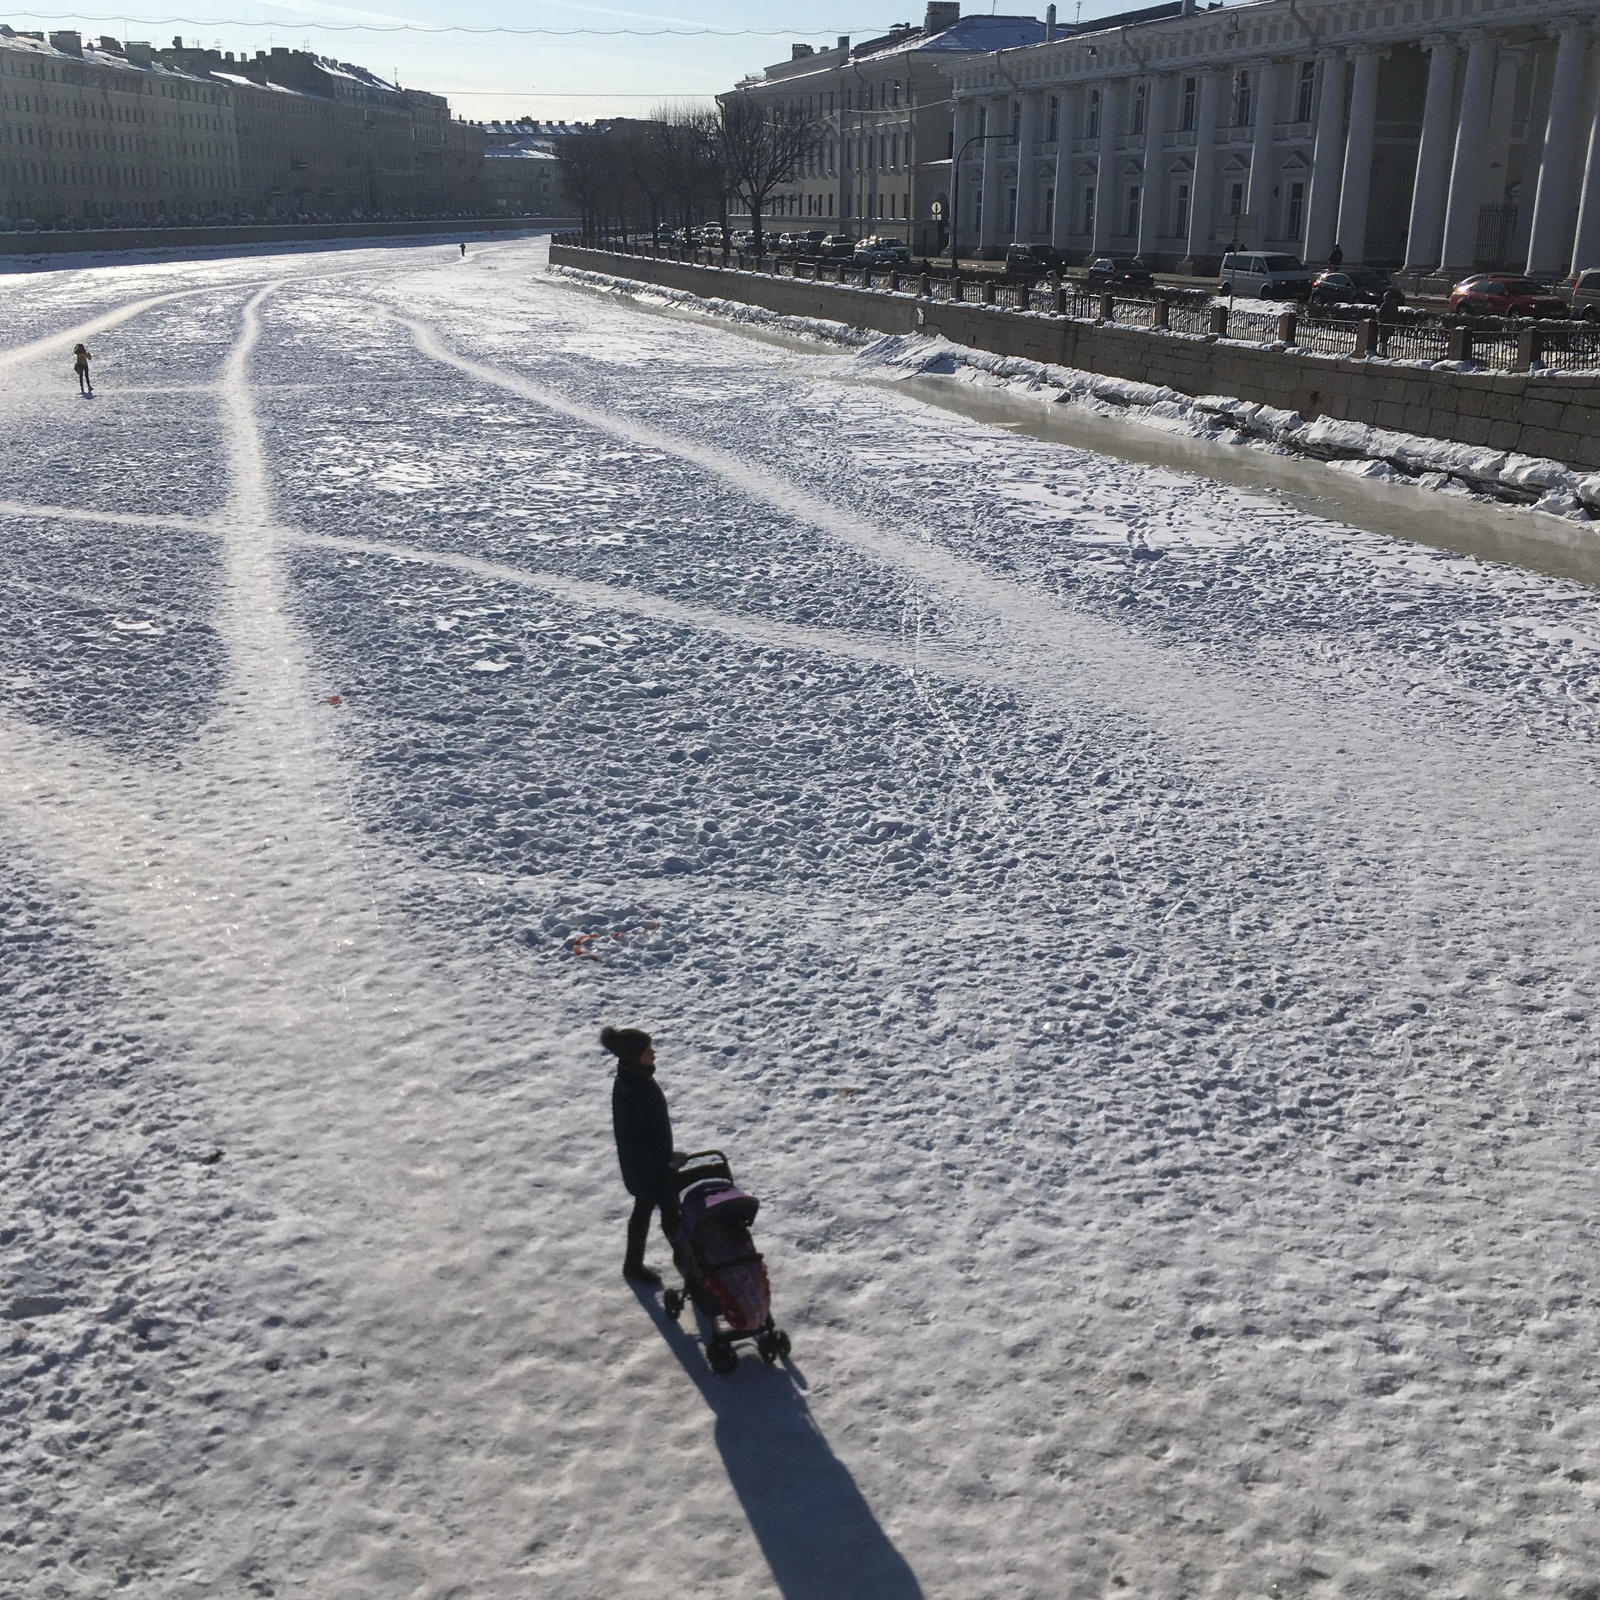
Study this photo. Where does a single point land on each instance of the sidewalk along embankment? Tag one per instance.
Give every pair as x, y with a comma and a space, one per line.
73, 242
1551, 415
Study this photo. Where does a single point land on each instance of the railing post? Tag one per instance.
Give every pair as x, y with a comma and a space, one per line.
988, 290
894, 282
1288, 326
1460, 346
1219, 322
1366, 339
925, 286
1059, 297
1530, 349
1108, 307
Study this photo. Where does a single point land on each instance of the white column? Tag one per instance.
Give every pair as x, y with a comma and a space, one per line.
1327, 158
1552, 205
1152, 177
1433, 155
993, 219
1466, 169
1203, 189
1586, 247
1105, 178
1071, 100
1265, 106
961, 188
1027, 153
1357, 185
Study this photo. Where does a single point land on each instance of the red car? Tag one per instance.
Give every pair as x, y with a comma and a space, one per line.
1506, 297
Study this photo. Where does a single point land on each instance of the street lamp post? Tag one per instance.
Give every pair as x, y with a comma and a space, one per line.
955, 187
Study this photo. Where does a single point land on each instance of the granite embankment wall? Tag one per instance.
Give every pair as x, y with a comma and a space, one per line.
1538, 414
59, 242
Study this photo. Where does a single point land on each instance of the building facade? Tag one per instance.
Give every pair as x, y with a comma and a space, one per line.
882, 162
1438, 135
101, 132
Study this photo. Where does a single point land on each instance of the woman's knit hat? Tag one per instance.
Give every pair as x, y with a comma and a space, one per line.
626, 1044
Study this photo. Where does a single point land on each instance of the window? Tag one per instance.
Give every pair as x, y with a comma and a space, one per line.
950, 145
977, 213
1094, 115
1132, 216
1235, 199
1050, 211
1138, 108
1053, 122
1302, 105
1016, 122
1186, 121
1088, 209
1295, 213
1011, 211
983, 122
1241, 99
1180, 212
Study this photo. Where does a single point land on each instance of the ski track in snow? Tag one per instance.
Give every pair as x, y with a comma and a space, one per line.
1138, 942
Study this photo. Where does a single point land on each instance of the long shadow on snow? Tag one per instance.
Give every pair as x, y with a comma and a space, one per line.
813, 1524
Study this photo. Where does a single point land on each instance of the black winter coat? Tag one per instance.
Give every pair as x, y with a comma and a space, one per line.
644, 1132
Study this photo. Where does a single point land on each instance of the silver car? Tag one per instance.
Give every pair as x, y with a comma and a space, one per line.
1262, 277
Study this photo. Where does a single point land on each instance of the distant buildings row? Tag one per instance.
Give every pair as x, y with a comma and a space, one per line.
106, 132
1433, 134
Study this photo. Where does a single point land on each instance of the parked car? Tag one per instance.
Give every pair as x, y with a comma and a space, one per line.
807, 243
742, 239
1352, 287
1506, 297
1583, 295
1117, 272
1265, 277
838, 246
876, 252
709, 237
1032, 261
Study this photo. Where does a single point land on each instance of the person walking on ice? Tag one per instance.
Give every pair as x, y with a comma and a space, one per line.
463, 249
644, 1144
80, 365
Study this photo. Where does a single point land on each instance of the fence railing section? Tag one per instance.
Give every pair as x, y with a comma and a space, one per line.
1499, 347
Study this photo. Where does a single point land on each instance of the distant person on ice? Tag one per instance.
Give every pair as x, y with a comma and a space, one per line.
644, 1144
80, 365
463, 250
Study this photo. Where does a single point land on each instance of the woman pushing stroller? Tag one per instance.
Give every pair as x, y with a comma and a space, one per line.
704, 1214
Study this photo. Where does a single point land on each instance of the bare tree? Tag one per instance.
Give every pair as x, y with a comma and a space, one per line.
586, 161
764, 146
693, 171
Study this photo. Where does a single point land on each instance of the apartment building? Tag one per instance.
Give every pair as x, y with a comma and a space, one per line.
107, 132
882, 164
1446, 135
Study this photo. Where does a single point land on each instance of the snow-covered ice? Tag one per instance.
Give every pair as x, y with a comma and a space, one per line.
1139, 941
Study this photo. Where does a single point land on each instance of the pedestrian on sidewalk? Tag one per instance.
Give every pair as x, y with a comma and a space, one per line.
1336, 255
463, 249
80, 365
644, 1144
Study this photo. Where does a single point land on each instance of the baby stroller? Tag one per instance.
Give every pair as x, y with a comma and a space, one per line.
723, 1274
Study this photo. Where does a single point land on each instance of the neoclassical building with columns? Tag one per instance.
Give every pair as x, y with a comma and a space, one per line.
1439, 135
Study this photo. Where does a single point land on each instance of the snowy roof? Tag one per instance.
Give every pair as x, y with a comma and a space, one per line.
969, 36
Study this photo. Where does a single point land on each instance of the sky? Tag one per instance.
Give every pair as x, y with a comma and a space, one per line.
595, 60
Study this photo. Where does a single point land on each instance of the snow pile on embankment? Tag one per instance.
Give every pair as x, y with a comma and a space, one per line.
1353, 446
1356, 447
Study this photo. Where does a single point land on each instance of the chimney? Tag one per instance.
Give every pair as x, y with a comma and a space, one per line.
67, 42
140, 53
941, 14
110, 46
801, 51
1049, 24
177, 42
844, 44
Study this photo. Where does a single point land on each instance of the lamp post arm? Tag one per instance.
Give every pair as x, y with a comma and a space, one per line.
955, 186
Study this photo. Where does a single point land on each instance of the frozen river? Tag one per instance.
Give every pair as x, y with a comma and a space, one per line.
1138, 940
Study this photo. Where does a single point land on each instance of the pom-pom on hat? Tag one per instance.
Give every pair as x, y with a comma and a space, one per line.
626, 1044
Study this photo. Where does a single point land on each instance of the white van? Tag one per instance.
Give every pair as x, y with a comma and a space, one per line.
1265, 277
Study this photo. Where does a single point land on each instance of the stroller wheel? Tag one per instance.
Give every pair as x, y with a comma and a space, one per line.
722, 1356
780, 1342
767, 1348
672, 1303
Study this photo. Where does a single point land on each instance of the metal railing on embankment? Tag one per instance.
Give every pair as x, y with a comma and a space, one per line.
1486, 344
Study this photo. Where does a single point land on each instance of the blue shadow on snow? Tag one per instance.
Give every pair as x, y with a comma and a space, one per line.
813, 1524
